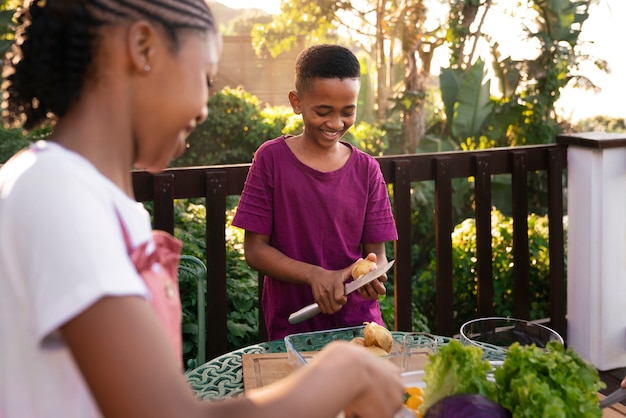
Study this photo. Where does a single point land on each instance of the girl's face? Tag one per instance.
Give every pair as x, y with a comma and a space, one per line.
328, 109
177, 101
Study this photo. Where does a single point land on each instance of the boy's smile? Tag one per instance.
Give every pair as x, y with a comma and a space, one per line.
328, 109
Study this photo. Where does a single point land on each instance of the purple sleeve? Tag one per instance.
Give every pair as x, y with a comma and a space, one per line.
254, 212
379, 223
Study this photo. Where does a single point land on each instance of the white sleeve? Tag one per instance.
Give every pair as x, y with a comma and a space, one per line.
69, 245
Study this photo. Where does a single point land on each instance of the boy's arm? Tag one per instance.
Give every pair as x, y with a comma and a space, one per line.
326, 285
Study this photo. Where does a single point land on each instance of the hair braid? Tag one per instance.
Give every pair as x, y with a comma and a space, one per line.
50, 60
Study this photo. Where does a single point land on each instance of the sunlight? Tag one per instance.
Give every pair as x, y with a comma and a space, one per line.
603, 33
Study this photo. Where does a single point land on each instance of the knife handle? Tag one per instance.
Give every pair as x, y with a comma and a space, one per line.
305, 313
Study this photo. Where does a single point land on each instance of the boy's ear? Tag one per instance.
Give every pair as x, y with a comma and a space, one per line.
142, 45
294, 99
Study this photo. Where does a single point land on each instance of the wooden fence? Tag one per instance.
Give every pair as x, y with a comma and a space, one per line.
216, 183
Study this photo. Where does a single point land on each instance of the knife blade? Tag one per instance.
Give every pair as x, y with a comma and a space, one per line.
313, 309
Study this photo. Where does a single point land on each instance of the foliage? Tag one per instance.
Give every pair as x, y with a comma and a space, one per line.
466, 99
241, 285
14, 139
369, 138
234, 136
601, 124
464, 270
315, 20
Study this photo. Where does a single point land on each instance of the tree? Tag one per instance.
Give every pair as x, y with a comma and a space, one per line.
524, 112
373, 26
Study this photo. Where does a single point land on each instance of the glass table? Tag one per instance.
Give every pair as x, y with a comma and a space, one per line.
222, 377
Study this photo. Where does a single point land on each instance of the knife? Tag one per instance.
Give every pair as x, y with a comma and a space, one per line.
313, 309
616, 396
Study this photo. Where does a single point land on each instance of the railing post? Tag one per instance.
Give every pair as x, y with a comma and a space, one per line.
217, 304
444, 321
596, 247
164, 202
402, 268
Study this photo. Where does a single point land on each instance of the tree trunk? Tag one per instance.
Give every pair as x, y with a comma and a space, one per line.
381, 66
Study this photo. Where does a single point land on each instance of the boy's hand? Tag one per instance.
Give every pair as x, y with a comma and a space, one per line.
328, 290
376, 287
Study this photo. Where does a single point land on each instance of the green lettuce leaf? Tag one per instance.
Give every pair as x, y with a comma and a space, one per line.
552, 382
456, 369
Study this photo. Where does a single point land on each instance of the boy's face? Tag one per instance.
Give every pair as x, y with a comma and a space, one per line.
328, 109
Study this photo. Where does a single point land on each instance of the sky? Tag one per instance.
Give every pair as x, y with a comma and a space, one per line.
606, 31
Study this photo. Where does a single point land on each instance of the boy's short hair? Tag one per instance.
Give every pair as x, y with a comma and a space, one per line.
325, 61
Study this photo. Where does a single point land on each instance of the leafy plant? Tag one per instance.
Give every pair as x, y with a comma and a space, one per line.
464, 270
14, 139
234, 136
241, 285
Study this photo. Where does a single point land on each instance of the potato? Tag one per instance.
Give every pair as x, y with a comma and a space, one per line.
377, 351
362, 267
358, 341
377, 335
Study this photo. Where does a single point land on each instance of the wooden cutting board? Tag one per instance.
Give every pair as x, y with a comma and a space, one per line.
262, 369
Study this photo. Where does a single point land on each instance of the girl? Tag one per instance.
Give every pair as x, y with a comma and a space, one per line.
89, 313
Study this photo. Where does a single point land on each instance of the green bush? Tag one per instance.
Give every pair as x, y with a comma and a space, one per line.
14, 139
464, 270
241, 281
235, 128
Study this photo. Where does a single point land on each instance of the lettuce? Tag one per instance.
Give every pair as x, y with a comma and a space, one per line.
456, 369
552, 382
532, 382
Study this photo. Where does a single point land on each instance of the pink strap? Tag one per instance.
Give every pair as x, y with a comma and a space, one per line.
159, 271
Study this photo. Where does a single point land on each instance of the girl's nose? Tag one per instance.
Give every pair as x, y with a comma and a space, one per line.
204, 114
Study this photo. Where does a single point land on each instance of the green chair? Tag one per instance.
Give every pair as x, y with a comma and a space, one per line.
192, 270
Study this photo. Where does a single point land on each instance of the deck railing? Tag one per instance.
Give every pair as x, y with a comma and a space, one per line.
216, 183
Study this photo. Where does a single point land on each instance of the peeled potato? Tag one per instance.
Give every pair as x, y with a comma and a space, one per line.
377, 335
362, 267
377, 351
358, 341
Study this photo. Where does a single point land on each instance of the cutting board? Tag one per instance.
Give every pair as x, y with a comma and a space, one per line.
262, 369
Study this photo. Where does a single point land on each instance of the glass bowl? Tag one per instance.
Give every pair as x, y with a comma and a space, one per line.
496, 334
301, 348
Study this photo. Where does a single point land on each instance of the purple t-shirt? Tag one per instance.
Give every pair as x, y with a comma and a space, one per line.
318, 218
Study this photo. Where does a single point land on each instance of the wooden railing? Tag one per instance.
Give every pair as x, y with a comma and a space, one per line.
215, 183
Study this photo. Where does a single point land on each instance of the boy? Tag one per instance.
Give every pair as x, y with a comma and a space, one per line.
312, 205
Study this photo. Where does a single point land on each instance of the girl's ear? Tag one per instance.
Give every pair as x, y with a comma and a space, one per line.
294, 99
142, 45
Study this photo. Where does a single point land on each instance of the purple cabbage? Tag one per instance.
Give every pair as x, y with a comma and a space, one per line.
466, 405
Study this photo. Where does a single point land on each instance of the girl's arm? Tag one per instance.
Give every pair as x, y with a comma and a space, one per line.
125, 357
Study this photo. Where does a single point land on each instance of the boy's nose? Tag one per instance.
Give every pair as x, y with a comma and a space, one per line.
336, 123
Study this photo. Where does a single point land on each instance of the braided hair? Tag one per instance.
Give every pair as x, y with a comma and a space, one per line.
55, 44
325, 61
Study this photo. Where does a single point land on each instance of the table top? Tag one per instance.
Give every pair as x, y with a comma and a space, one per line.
222, 377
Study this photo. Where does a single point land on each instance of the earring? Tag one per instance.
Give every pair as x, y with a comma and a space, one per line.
147, 68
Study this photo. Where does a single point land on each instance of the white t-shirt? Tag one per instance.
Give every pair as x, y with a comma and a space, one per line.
61, 249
